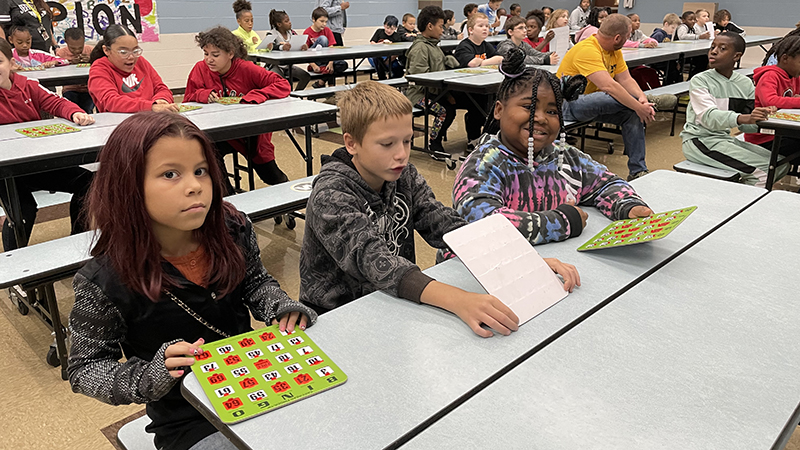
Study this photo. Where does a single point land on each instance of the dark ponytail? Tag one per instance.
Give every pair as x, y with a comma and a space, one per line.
518, 77
112, 33
789, 45
240, 7
276, 17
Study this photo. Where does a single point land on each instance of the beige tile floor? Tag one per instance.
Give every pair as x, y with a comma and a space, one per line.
39, 411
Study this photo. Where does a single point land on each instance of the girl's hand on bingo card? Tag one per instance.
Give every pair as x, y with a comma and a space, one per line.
567, 271
289, 319
171, 107
49, 64
583, 214
181, 354
640, 211
213, 97
80, 118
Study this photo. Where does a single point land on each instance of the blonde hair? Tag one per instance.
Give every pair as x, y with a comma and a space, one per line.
367, 103
551, 22
473, 19
672, 19
697, 13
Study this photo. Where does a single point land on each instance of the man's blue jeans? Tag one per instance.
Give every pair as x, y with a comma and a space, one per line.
601, 107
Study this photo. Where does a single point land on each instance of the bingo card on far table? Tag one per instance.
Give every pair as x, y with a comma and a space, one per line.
256, 372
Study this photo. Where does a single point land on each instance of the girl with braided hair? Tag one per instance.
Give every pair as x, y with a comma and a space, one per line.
522, 172
779, 86
770, 59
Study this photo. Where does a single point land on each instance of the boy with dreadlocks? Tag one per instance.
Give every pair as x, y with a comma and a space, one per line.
507, 174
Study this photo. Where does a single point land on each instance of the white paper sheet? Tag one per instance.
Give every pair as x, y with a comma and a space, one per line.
560, 44
507, 265
264, 44
297, 42
502, 23
710, 29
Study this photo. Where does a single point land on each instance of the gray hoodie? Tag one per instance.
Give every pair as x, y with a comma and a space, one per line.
358, 241
532, 56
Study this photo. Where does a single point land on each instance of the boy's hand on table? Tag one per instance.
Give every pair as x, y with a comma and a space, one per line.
213, 97
181, 354
567, 271
289, 319
473, 309
639, 211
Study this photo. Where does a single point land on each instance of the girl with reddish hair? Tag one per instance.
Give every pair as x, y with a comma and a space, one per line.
174, 267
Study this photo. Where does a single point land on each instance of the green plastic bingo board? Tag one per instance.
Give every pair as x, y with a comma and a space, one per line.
259, 371
637, 231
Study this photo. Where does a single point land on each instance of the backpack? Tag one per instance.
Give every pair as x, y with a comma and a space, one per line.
646, 77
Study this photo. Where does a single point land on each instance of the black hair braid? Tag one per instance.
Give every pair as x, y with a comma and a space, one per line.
513, 67
789, 45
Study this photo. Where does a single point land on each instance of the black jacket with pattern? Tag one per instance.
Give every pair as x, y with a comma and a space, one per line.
358, 241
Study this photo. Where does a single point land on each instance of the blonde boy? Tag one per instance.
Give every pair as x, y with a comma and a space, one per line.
474, 51
666, 33
365, 205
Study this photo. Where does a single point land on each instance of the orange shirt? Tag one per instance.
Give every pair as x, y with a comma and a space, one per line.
193, 266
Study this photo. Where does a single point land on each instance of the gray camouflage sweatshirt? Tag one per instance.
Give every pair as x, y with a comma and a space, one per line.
358, 241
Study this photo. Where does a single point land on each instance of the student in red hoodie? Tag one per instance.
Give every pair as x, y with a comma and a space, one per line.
121, 80
21, 100
224, 73
779, 86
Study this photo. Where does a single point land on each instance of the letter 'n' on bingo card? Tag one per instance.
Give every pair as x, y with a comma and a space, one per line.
259, 371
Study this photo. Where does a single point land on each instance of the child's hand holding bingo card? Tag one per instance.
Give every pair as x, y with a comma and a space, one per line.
181, 354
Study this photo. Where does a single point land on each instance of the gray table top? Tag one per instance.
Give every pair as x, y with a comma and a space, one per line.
57, 76
781, 124
22, 154
349, 52
407, 362
700, 355
665, 52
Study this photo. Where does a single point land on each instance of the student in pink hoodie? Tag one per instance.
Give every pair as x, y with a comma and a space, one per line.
779, 86
20, 37
21, 100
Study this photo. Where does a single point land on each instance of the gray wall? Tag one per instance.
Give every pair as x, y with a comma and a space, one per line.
753, 13
190, 16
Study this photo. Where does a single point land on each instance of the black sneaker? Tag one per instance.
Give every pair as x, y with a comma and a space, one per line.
435, 146
636, 175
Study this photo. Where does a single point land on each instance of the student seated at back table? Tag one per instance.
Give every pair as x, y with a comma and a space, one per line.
407, 32
720, 99
537, 184
181, 269
20, 37
534, 22
474, 51
386, 64
686, 32
469, 10
121, 80
365, 205
281, 35
517, 32
672, 70
593, 21
244, 17
637, 39
76, 52
722, 22
225, 73
489, 9
425, 56
450, 33
21, 100
320, 36
779, 86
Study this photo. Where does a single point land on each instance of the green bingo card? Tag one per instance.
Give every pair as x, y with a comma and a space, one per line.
636, 231
256, 372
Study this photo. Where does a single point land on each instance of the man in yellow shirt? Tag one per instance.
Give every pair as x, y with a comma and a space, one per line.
612, 95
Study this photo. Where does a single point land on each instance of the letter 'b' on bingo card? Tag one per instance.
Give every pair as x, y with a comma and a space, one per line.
259, 371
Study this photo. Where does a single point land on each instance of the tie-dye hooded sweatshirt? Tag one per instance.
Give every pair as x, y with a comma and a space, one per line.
493, 180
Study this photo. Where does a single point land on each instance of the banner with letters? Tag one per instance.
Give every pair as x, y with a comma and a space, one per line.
94, 16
